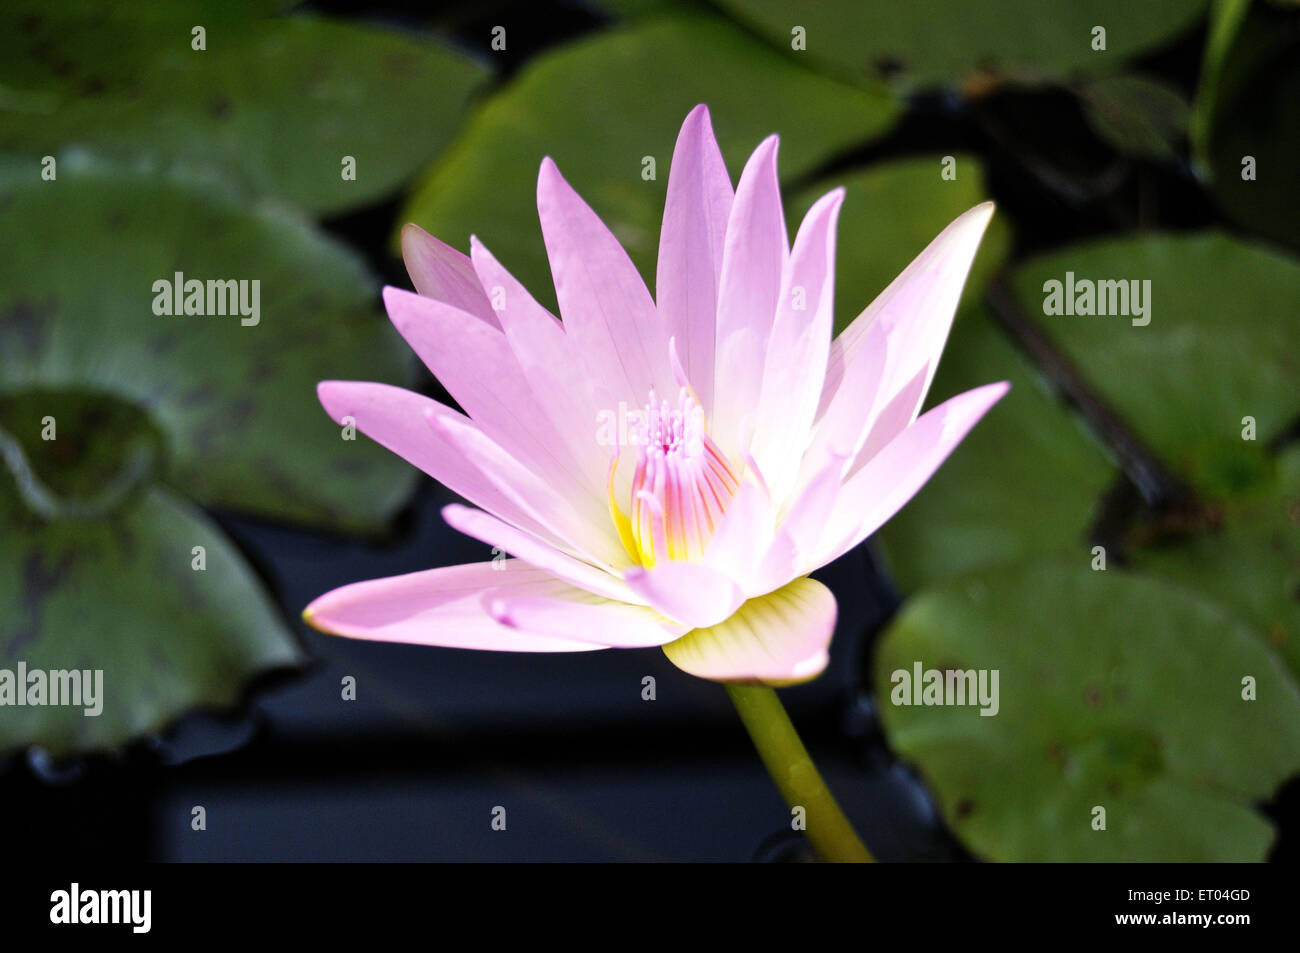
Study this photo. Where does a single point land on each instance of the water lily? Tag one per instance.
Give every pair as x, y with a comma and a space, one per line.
665, 471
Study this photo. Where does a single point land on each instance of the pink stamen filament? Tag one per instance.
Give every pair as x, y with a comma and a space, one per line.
682, 484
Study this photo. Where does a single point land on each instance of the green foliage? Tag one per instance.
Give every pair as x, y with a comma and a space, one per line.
943, 41
600, 132
277, 102
147, 411
1115, 691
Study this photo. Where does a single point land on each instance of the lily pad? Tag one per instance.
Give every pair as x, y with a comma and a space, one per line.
891, 212
1247, 132
1023, 483
1220, 346
234, 400
1251, 561
278, 101
945, 40
602, 106
1114, 691
120, 595
1028, 483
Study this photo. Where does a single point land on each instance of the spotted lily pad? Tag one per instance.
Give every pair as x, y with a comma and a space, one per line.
233, 394
1121, 688
116, 417
1115, 693
281, 102
1249, 559
121, 595
605, 108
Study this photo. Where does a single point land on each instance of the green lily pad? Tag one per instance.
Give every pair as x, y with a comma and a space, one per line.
1025, 482
277, 101
1251, 561
120, 595
601, 106
1220, 346
945, 40
74, 454
234, 401
1028, 483
1247, 134
891, 212
1114, 691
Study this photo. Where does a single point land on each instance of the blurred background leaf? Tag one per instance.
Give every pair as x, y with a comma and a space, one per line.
1250, 561
1220, 345
227, 413
276, 101
119, 594
1137, 115
1247, 133
941, 42
236, 405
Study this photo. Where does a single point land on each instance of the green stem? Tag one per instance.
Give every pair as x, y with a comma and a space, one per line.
792, 768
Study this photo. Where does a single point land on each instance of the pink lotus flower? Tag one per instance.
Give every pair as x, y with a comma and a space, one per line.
665, 472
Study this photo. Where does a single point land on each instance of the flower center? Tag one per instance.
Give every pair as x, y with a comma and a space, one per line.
681, 487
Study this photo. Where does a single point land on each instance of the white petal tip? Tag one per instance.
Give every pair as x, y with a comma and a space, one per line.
548, 171
982, 214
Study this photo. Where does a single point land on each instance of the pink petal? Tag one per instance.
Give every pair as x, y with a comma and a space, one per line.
476, 365
608, 313
394, 418
893, 476
585, 617
779, 638
889, 421
795, 369
690, 249
594, 540
917, 308
753, 262
439, 271
688, 592
793, 552
528, 548
526, 323
547, 358
848, 404
743, 538
441, 607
